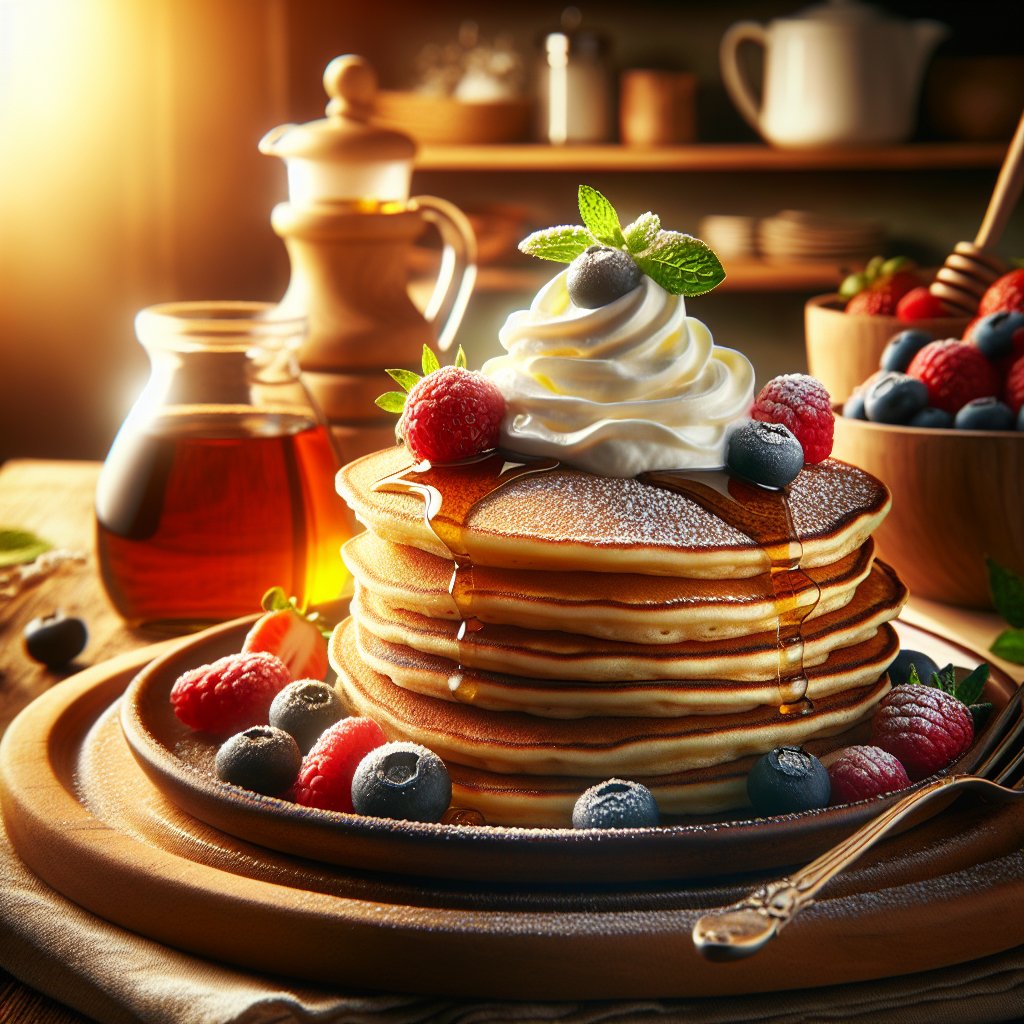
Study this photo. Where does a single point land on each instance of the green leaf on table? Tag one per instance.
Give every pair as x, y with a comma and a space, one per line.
1009, 645
681, 264
1007, 589
20, 546
561, 244
600, 217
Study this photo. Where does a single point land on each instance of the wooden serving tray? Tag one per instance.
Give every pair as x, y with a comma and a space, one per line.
91, 824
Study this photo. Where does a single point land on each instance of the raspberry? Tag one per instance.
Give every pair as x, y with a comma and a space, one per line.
882, 296
862, 772
924, 727
954, 372
1013, 394
325, 777
452, 413
801, 403
919, 304
1006, 292
231, 694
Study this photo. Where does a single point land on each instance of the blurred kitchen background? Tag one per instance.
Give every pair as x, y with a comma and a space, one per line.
130, 174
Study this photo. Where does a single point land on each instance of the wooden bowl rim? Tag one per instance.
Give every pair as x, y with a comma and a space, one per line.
927, 431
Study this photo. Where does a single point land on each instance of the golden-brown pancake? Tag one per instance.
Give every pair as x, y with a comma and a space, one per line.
617, 606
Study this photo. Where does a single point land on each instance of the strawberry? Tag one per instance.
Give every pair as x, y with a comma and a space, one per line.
449, 413
295, 638
919, 304
801, 403
955, 373
878, 290
1005, 293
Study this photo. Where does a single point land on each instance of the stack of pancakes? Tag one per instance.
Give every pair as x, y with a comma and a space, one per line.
543, 629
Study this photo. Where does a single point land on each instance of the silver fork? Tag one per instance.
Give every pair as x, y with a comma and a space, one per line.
741, 929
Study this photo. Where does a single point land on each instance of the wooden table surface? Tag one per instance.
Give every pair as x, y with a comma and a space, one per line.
54, 499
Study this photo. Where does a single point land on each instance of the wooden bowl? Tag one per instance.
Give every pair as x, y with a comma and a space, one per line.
957, 498
843, 349
443, 120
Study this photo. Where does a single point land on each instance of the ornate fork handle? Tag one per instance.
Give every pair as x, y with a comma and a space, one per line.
743, 928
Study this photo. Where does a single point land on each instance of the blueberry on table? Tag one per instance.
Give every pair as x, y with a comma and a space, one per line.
600, 275
895, 398
984, 414
56, 639
931, 418
305, 709
765, 453
616, 803
899, 670
902, 348
261, 758
787, 780
994, 334
402, 780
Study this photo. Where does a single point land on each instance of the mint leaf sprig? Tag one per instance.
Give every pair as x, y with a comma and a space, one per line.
1007, 590
967, 690
680, 263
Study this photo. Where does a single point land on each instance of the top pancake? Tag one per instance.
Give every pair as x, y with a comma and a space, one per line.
561, 518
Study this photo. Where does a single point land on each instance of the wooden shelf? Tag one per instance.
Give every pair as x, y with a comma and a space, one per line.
742, 276
739, 157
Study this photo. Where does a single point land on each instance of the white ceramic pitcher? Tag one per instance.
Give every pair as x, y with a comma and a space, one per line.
839, 73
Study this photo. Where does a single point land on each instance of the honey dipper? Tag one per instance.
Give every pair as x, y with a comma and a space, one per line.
971, 267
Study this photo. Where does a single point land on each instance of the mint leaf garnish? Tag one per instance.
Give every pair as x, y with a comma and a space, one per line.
913, 679
20, 546
971, 687
1007, 589
562, 244
600, 217
642, 232
391, 401
945, 680
1009, 645
681, 264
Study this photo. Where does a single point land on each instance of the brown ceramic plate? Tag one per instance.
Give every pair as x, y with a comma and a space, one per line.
180, 763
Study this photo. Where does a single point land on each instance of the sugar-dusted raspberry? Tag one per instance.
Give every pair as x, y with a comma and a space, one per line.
801, 403
325, 777
924, 727
231, 694
451, 414
1013, 393
862, 772
955, 372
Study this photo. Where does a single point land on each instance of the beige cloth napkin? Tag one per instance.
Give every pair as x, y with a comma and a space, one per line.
117, 977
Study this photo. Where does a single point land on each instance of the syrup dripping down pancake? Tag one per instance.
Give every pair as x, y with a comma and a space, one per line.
562, 518
594, 747
548, 654
616, 606
844, 669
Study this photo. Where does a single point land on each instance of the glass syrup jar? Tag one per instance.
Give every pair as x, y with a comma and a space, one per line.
220, 482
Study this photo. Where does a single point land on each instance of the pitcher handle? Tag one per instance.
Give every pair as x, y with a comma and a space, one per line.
457, 274
736, 84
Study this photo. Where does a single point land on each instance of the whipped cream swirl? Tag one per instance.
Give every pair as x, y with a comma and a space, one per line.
632, 386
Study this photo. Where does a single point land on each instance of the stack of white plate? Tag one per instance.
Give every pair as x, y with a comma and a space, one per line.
731, 237
796, 236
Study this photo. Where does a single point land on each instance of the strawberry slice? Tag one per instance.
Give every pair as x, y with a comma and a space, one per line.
295, 638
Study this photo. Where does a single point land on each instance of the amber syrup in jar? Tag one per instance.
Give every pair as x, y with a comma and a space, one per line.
220, 484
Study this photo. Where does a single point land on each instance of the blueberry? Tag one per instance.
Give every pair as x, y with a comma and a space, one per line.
1020, 418
931, 417
853, 407
786, 780
899, 670
984, 414
55, 639
616, 803
902, 348
765, 453
601, 275
261, 758
402, 780
993, 334
894, 398
305, 709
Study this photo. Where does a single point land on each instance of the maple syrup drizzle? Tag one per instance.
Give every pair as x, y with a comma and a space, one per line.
765, 517
465, 485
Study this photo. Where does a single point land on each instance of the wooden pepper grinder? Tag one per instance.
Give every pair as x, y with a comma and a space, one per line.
348, 227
